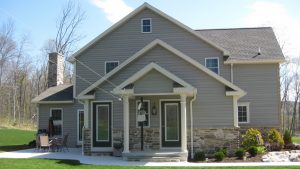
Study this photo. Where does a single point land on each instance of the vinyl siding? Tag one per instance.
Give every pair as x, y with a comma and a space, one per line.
261, 82
211, 108
69, 119
153, 82
128, 39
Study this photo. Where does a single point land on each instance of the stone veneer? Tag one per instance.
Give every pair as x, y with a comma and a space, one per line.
151, 138
55, 69
87, 142
210, 139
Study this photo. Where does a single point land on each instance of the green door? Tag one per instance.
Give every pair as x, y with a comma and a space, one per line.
102, 124
170, 124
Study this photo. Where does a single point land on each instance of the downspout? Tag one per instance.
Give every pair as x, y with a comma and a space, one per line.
192, 128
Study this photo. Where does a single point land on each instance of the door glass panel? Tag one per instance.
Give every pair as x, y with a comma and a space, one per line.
103, 123
172, 122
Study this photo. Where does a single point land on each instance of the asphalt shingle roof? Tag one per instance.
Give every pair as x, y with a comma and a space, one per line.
56, 93
244, 43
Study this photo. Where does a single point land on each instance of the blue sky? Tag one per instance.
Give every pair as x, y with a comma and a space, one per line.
37, 18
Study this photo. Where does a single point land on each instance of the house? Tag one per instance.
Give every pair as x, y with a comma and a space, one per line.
199, 88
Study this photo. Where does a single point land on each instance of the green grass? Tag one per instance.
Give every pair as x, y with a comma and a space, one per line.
66, 164
296, 140
15, 139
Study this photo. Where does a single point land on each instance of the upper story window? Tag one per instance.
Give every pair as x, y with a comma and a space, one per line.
146, 25
110, 65
243, 112
212, 63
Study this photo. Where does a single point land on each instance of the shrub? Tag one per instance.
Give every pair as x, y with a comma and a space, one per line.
253, 151
261, 149
219, 156
275, 137
240, 153
290, 146
250, 138
275, 147
287, 137
224, 151
199, 156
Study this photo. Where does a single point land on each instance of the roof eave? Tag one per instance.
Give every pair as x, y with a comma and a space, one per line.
256, 61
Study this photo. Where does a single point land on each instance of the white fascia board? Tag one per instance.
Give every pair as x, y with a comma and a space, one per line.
254, 61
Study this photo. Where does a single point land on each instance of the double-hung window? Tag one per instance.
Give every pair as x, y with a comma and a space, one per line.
212, 63
110, 65
57, 116
146, 25
243, 112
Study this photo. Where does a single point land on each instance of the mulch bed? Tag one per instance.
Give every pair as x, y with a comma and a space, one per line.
233, 160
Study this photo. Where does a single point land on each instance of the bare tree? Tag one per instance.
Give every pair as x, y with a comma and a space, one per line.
67, 26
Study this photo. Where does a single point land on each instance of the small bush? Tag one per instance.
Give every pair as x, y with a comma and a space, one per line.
275, 137
240, 153
199, 156
261, 149
253, 151
224, 151
290, 146
287, 137
219, 156
250, 138
275, 147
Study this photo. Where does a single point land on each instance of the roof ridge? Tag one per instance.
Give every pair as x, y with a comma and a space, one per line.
266, 27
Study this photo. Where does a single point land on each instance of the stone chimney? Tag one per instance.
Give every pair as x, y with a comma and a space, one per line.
55, 69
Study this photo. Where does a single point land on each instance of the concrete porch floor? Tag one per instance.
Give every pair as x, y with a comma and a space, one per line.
75, 154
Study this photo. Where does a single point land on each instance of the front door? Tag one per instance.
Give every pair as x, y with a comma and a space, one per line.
102, 124
170, 124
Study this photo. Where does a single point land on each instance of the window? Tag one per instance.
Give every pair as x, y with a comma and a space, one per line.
212, 64
146, 25
243, 112
110, 65
57, 116
80, 124
146, 107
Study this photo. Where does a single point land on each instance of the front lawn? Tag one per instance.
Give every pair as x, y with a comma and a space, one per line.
296, 140
15, 139
65, 164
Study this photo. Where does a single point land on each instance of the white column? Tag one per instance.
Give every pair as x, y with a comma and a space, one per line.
86, 113
183, 123
235, 112
126, 123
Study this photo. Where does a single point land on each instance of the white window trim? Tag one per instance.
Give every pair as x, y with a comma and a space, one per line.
165, 114
143, 25
62, 119
102, 105
136, 113
78, 141
109, 62
213, 58
247, 104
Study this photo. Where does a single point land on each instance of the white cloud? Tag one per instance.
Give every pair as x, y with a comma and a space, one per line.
286, 26
114, 10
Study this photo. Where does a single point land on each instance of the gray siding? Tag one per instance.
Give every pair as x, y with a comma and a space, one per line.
69, 119
153, 82
211, 108
261, 82
128, 39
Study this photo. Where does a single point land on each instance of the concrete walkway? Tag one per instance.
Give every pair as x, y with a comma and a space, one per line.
75, 154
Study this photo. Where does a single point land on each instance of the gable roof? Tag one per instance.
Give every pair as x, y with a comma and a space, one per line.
147, 69
243, 44
133, 13
60, 93
171, 49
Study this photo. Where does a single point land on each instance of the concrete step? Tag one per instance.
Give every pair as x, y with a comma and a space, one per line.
155, 159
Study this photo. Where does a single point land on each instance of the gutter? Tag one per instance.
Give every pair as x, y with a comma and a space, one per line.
192, 128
